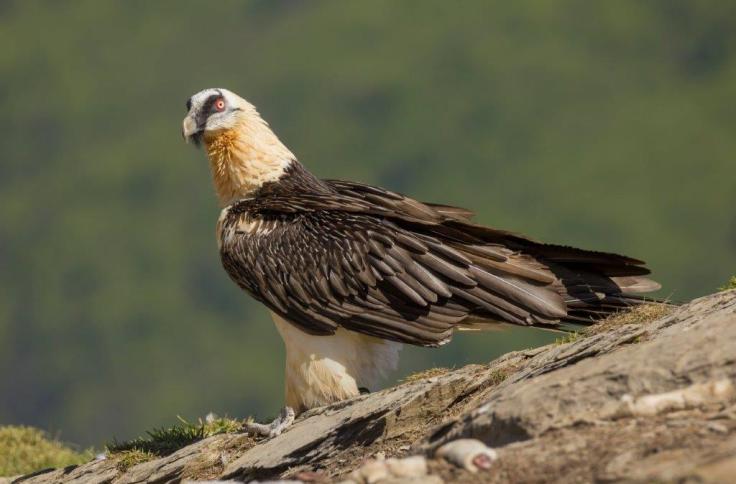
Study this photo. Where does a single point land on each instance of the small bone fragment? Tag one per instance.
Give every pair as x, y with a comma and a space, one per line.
470, 454
693, 396
414, 466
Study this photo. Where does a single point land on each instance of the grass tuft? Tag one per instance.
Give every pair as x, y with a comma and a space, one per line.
497, 376
128, 458
167, 440
569, 338
424, 374
731, 284
641, 314
26, 449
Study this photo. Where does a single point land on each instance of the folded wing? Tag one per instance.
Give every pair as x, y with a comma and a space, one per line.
382, 264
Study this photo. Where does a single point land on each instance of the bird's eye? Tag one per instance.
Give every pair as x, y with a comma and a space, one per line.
220, 104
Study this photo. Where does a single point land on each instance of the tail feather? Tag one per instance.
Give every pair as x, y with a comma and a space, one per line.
636, 285
592, 286
589, 285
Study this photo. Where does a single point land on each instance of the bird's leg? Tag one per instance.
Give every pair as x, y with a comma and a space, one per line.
285, 418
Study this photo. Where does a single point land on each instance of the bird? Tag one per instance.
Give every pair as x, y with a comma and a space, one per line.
351, 272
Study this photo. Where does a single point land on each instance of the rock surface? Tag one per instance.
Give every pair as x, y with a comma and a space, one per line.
634, 402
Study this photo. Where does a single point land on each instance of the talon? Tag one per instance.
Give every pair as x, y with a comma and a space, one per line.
284, 420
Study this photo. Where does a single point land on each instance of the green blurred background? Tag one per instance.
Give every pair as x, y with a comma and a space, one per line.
609, 125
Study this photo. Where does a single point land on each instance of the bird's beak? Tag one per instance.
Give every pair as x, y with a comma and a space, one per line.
189, 127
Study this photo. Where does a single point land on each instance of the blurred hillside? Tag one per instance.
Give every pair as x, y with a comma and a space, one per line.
605, 126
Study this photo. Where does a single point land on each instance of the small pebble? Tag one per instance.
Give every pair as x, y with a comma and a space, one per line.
310, 476
288, 481
374, 471
370, 472
415, 466
717, 427
191, 481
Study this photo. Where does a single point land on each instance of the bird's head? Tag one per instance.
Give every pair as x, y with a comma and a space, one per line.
213, 111
243, 151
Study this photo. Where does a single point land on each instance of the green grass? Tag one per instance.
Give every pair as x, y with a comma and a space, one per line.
568, 338
731, 284
128, 458
166, 440
498, 376
27, 449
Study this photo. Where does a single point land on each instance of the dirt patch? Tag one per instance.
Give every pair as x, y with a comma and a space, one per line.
215, 457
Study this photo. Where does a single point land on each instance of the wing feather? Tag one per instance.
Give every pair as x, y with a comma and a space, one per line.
385, 265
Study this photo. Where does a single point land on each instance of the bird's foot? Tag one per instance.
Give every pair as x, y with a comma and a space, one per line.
285, 419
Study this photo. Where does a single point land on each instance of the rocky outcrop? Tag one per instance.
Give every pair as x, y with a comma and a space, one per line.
642, 402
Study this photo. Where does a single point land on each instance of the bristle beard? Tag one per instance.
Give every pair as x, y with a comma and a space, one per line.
197, 138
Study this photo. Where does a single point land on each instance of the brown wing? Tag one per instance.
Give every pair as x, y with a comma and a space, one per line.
582, 275
388, 266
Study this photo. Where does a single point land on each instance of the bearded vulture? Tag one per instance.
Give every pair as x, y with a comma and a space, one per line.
350, 272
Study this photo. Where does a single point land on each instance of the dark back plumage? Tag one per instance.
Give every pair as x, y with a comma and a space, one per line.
325, 254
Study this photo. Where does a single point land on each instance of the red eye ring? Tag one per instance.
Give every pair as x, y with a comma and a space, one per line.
220, 104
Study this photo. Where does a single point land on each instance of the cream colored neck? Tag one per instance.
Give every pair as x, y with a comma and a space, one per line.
243, 158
